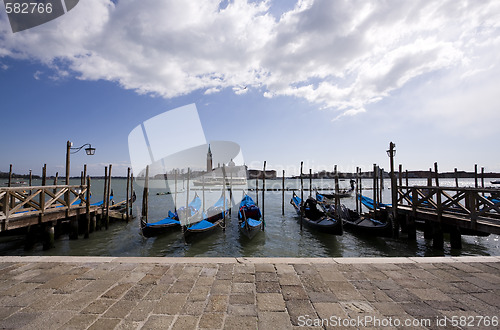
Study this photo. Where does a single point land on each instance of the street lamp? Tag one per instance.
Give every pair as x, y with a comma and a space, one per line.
70, 150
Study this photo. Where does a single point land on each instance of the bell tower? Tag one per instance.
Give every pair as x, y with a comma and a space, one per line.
209, 160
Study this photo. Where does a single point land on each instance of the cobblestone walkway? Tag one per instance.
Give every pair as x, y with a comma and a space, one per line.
263, 293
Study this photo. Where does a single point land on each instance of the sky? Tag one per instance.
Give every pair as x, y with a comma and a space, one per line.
325, 82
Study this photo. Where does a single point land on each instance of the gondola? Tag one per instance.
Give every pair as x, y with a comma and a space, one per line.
315, 218
368, 202
172, 221
343, 193
249, 216
356, 223
211, 220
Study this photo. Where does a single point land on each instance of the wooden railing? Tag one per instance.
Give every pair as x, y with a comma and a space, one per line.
472, 203
22, 201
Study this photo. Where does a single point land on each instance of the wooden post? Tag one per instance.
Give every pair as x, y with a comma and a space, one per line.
283, 194
301, 194
82, 178
175, 192
9, 184
87, 207
482, 178
203, 193
109, 196
231, 188
104, 197
360, 190
394, 191
84, 173
406, 181
475, 175
131, 191
375, 202
49, 233
127, 200
55, 182
257, 190
187, 194
30, 179
145, 195
357, 187
456, 177
224, 198
337, 200
310, 182
437, 232
381, 184
263, 195
455, 237
410, 219
68, 150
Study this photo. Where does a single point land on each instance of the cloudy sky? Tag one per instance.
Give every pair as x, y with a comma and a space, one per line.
326, 81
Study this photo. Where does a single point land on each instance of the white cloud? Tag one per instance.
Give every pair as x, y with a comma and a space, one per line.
343, 55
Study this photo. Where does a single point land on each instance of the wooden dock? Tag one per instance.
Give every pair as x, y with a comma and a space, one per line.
49, 206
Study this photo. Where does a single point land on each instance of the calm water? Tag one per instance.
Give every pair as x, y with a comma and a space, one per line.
282, 236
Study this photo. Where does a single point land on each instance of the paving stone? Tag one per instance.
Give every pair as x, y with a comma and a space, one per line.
297, 308
429, 294
104, 324
241, 299
272, 302
375, 295
211, 321
170, 303
388, 308
117, 291
205, 281
248, 288
120, 309
18, 320
289, 279
264, 267
314, 283
284, 269
265, 276
183, 286
98, 306
240, 322
489, 298
199, 293
80, 321
327, 310
244, 278
268, 287
217, 303
244, 310
293, 292
138, 292
193, 308
141, 311
185, 322
221, 287
158, 322
322, 296
274, 320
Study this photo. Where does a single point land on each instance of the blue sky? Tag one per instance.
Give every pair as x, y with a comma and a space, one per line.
326, 82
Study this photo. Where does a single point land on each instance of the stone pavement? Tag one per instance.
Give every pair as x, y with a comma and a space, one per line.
249, 293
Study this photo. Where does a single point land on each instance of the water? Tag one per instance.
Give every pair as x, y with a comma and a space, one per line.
282, 236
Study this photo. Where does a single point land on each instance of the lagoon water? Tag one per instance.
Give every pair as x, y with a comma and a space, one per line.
282, 236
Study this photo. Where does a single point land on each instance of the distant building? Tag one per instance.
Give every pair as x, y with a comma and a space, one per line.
209, 160
258, 174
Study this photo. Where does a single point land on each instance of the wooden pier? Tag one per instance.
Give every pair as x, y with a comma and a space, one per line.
49, 206
454, 210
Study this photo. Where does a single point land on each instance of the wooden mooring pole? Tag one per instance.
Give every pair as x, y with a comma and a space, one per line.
109, 196
357, 187
283, 194
456, 177
87, 209
263, 196
394, 192
437, 230
301, 194
475, 176
145, 195
127, 199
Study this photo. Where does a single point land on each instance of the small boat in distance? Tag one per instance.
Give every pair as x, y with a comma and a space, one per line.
495, 182
249, 217
315, 218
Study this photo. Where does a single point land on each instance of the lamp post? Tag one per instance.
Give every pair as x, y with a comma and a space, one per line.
394, 190
70, 150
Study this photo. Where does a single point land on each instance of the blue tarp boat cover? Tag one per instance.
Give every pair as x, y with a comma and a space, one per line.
166, 221
368, 202
203, 224
251, 223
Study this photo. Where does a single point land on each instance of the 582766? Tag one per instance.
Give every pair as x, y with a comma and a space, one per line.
28, 8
